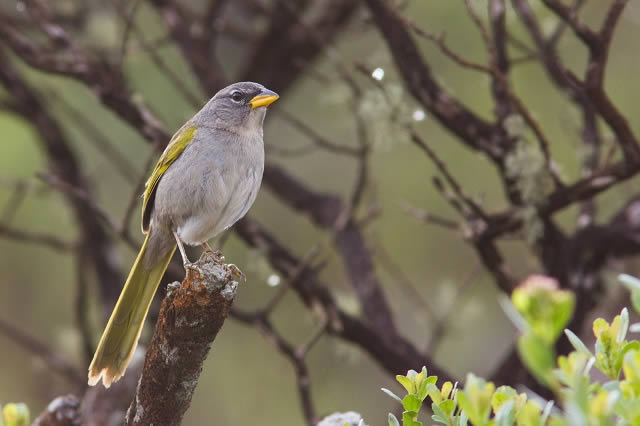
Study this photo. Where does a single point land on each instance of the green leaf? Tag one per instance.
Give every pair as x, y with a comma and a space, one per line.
446, 389
406, 383
393, 421
546, 308
410, 418
529, 415
475, 399
624, 326
632, 283
439, 415
502, 395
538, 356
635, 300
576, 342
411, 374
391, 394
506, 414
411, 403
434, 393
547, 411
16, 414
631, 366
512, 313
422, 389
462, 419
448, 406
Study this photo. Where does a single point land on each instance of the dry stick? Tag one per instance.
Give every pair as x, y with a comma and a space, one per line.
499, 58
57, 363
472, 205
136, 194
393, 352
543, 142
31, 237
315, 137
362, 134
81, 306
569, 15
129, 22
479, 24
598, 44
178, 82
295, 355
430, 218
411, 290
95, 136
329, 211
438, 329
14, 203
561, 27
191, 316
197, 47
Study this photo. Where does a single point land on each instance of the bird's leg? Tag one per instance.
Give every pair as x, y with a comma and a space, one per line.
185, 260
207, 247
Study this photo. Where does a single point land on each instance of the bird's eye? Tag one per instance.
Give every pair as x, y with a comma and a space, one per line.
237, 96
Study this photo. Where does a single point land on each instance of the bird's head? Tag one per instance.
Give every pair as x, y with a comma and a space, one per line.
240, 107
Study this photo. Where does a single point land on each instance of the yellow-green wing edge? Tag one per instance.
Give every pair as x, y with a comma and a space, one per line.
178, 143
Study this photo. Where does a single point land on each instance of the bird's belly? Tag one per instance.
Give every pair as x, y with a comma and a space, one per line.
221, 202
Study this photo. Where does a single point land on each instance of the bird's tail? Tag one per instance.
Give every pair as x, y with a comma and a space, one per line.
121, 335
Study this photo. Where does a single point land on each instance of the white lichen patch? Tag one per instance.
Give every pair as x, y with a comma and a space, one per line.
139, 408
181, 321
171, 287
214, 275
229, 291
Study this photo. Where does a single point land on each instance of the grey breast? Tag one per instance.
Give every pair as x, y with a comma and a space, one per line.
211, 185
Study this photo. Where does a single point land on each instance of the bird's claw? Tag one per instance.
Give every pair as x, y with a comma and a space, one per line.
193, 267
236, 273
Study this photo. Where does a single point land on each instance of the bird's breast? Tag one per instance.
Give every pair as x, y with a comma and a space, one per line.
222, 185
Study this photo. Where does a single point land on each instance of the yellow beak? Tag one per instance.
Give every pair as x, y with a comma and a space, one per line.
266, 98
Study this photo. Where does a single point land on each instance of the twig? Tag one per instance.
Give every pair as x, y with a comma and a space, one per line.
57, 363
82, 307
315, 137
129, 22
295, 356
45, 240
468, 202
94, 135
430, 218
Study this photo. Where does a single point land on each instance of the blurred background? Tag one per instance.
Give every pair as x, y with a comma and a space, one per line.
442, 295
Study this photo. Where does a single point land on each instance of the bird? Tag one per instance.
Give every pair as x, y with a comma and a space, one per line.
206, 179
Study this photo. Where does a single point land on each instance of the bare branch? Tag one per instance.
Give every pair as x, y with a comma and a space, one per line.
190, 318
57, 363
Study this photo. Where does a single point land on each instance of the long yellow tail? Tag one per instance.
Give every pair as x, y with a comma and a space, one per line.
121, 335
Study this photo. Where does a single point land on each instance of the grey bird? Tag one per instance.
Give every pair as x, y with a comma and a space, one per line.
206, 179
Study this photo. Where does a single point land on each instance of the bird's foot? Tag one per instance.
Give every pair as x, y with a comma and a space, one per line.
188, 266
236, 273
207, 248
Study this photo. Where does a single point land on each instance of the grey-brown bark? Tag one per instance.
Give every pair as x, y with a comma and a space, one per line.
191, 316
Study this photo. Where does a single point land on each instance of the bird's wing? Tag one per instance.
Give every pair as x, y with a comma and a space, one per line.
178, 143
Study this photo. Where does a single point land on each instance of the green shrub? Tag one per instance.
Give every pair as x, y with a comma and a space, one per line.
541, 311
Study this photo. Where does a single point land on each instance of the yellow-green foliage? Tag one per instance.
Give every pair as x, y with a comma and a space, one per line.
15, 414
544, 311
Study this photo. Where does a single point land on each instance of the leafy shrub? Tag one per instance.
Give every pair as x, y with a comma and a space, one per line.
541, 311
